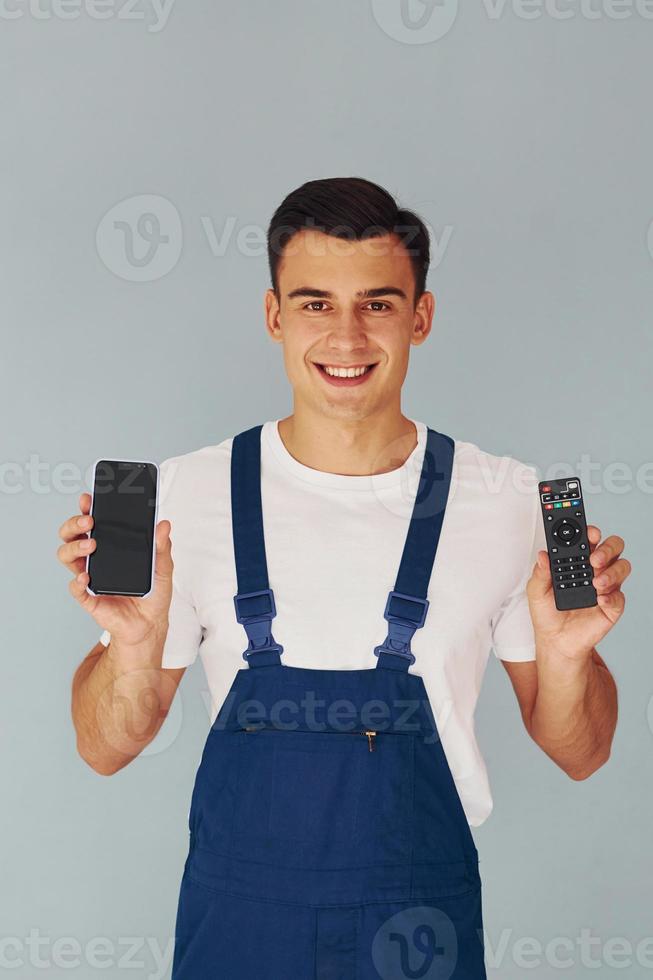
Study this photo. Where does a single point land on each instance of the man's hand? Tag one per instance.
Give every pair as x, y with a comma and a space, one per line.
568, 697
575, 632
133, 621
121, 693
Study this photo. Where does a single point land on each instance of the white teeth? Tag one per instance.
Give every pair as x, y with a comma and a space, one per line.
345, 372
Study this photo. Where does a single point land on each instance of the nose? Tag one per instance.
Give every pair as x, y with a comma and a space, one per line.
347, 332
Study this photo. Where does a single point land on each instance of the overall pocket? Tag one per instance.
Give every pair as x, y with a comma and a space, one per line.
299, 786
350, 790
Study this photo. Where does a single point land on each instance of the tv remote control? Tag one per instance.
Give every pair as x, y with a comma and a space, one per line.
567, 543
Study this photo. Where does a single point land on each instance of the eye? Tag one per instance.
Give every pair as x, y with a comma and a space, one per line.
315, 303
378, 306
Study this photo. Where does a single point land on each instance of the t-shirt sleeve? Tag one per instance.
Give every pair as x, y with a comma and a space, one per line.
184, 628
512, 628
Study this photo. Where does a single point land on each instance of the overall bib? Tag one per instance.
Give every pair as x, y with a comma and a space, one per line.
327, 837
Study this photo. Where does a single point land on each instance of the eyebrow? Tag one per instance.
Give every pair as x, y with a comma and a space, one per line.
311, 291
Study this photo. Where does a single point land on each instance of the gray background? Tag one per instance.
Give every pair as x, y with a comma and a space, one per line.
528, 143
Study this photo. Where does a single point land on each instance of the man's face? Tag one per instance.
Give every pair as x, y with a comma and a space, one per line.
346, 305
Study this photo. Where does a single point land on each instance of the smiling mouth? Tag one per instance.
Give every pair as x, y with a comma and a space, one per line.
355, 371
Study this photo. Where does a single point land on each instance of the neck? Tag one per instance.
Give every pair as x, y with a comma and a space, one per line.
349, 447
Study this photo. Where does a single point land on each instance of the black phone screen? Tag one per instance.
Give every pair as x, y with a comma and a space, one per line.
124, 511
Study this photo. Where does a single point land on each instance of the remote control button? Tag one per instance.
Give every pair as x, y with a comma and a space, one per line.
548, 506
546, 496
566, 532
558, 505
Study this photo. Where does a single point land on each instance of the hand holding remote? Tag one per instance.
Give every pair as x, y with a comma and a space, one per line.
574, 633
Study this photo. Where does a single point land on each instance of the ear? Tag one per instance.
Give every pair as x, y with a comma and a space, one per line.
272, 315
423, 318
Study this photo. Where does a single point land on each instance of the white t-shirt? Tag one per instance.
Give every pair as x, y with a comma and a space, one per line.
333, 546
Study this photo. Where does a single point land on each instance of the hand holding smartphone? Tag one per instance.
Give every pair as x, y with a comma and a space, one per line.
124, 509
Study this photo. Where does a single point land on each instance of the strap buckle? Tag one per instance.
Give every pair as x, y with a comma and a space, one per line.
257, 621
405, 614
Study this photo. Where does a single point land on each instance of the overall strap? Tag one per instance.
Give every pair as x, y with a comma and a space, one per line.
407, 604
254, 601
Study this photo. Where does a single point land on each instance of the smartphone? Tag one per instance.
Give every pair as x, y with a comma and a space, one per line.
124, 509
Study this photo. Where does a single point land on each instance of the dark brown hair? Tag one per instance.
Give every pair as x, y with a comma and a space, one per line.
348, 207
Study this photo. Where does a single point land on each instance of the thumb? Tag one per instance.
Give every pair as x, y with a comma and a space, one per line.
540, 581
164, 564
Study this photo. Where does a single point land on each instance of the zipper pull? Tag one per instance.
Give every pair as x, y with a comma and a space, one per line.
370, 739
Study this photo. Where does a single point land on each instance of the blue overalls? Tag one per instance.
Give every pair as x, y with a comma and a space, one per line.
327, 837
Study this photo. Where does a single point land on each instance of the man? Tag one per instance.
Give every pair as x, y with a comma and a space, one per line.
315, 855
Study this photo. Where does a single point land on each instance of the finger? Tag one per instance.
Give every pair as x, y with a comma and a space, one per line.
72, 551
164, 565
77, 588
612, 604
594, 535
75, 526
85, 503
607, 551
539, 584
613, 576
